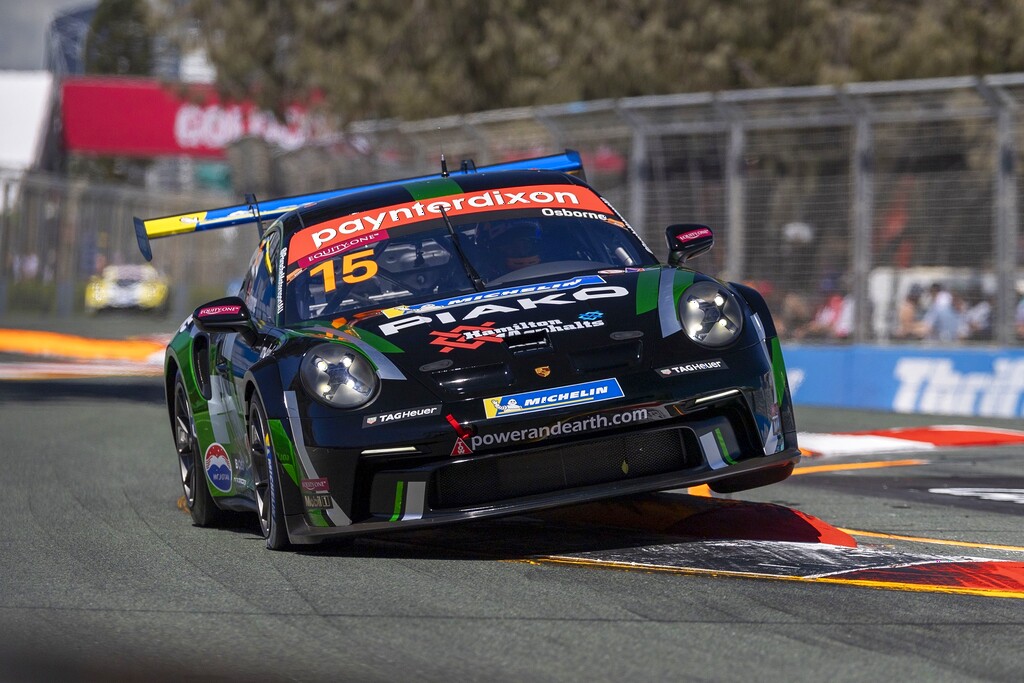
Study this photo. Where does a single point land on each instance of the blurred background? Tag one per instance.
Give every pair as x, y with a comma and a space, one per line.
857, 160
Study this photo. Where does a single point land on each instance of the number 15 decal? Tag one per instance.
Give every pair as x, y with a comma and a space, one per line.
355, 267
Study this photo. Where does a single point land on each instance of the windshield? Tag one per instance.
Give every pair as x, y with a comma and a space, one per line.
421, 262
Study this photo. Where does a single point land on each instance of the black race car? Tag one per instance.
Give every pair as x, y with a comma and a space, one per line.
464, 345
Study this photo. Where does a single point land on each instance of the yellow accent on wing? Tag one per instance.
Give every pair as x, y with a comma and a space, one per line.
173, 225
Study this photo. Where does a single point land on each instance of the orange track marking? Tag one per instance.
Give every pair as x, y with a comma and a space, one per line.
54, 344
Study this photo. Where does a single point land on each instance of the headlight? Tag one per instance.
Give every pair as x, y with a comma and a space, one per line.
710, 314
96, 293
338, 376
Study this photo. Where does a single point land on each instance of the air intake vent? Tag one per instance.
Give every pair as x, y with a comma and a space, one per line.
473, 379
612, 357
529, 342
490, 480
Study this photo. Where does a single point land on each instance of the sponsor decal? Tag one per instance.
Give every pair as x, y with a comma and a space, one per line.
543, 371
336, 230
219, 310
585, 425
934, 385
523, 304
315, 485
280, 280
522, 328
218, 467
571, 213
549, 399
506, 293
317, 501
401, 415
315, 494
693, 234
457, 339
341, 247
460, 448
690, 368
591, 316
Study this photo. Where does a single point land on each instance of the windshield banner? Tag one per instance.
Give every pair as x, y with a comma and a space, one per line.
325, 235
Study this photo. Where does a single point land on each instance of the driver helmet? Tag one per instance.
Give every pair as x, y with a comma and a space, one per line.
515, 244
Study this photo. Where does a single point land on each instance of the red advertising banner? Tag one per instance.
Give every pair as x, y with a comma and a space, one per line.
146, 118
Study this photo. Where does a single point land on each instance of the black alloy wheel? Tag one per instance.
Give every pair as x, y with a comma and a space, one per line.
196, 491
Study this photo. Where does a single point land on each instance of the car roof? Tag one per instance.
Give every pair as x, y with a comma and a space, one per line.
435, 188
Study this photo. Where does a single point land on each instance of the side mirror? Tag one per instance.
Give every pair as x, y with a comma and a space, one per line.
687, 240
229, 314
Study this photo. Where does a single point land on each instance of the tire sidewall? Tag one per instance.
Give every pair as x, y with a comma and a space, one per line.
276, 534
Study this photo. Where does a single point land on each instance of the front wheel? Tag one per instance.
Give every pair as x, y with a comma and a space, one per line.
265, 479
197, 496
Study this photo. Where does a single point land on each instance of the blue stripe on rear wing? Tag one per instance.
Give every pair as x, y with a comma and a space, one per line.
244, 214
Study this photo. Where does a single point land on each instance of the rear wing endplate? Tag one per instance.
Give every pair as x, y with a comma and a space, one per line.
244, 214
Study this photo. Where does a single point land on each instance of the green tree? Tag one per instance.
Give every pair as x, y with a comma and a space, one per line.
119, 39
420, 58
119, 43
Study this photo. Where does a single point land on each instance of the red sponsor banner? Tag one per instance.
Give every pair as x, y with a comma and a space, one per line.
535, 197
144, 118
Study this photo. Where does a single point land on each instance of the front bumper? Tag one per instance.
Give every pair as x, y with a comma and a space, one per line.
679, 444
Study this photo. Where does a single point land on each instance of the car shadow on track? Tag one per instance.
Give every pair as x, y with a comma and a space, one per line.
620, 524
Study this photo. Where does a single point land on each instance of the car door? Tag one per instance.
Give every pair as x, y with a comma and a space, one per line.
234, 355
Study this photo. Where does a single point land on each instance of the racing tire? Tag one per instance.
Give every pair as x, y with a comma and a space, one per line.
198, 500
266, 479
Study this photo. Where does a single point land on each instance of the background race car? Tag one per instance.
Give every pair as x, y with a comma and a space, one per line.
127, 287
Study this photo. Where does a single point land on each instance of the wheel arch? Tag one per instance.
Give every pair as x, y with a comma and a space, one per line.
759, 306
171, 369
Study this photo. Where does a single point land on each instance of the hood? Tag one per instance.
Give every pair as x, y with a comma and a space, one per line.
574, 330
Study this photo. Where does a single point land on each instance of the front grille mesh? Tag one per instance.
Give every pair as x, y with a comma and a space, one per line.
621, 458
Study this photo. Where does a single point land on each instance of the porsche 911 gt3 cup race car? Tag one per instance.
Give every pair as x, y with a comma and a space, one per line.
465, 345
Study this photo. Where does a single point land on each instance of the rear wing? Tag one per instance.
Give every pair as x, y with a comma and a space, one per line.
244, 214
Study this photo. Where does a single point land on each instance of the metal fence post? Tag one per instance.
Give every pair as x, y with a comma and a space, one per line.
637, 174
5, 226
1005, 237
736, 198
66, 275
863, 208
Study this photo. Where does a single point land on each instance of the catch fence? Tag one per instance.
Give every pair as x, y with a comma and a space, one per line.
835, 202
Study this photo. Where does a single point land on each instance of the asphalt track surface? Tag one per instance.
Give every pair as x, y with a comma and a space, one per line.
102, 576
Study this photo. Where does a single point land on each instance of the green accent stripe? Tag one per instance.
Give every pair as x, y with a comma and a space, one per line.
379, 343
399, 487
720, 438
682, 280
316, 518
647, 290
284, 450
438, 187
779, 369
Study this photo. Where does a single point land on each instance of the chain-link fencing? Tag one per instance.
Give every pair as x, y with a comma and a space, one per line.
879, 212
